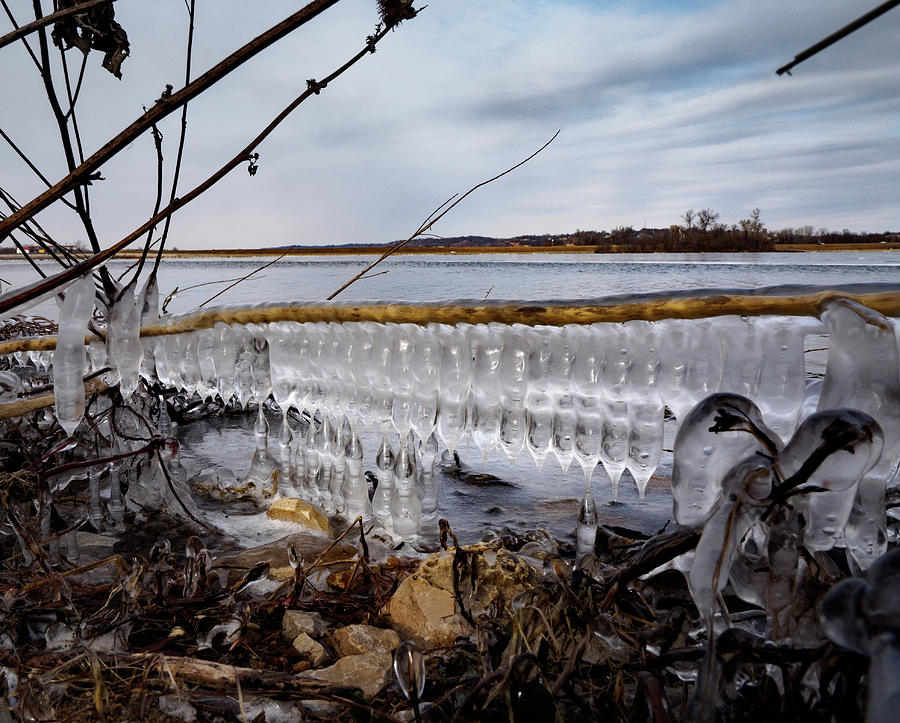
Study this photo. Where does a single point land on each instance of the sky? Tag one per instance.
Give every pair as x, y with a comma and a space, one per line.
662, 106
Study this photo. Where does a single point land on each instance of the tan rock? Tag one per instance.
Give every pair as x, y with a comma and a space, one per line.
424, 609
358, 639
501, 575
300, 512
296, 622
310, 649
425, 613
369, 672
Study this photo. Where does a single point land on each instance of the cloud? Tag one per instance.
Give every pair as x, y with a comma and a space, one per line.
663, 106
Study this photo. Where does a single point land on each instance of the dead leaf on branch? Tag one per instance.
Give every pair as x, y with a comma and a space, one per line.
94, 29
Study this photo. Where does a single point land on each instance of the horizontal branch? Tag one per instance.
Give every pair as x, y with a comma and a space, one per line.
531, 313
10, 410
647, 307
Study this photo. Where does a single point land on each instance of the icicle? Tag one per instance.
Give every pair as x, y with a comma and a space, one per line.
285, 471
224, 357
207, 383
862, 373
123, 341
562, 440
487, 351
340, 435
586, 524
163, 422
614, 436
455, 378
95, 512
406, 510
356, 495
538, 402
783, 372
513, 388
261, 429
116, 504
384, 471
645, 439
425, 367
70, 360
402, 359
148, 305
313, 461
323, 480
430, 482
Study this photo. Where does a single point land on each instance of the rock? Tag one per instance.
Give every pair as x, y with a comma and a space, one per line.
359, 639
423, 608
309, 545
369, 672
309, 648
425, 613
296, 622
300, 512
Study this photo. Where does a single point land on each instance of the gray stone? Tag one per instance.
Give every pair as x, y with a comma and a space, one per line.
298, 621
359, 639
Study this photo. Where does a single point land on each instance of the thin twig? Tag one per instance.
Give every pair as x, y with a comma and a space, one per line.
432, 219
179, 155
243, 278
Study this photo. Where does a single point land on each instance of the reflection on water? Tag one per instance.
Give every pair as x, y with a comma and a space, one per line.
519, 498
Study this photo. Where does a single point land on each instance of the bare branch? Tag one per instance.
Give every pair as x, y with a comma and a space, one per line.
834, 37
14, 298
163, 108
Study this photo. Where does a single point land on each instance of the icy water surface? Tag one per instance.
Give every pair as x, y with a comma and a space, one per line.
495, 276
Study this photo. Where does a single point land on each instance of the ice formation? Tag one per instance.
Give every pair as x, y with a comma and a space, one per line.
70, 358
594, 393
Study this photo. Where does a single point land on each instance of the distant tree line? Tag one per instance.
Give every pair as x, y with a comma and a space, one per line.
699, 231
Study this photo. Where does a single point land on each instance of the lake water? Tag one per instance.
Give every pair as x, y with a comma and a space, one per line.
527, 497
495, 276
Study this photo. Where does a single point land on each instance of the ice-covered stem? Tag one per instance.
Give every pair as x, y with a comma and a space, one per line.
649, 307
861, 373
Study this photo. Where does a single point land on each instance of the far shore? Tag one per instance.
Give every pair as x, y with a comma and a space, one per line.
445, 250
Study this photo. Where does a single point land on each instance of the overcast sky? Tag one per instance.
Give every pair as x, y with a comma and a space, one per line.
663, 106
